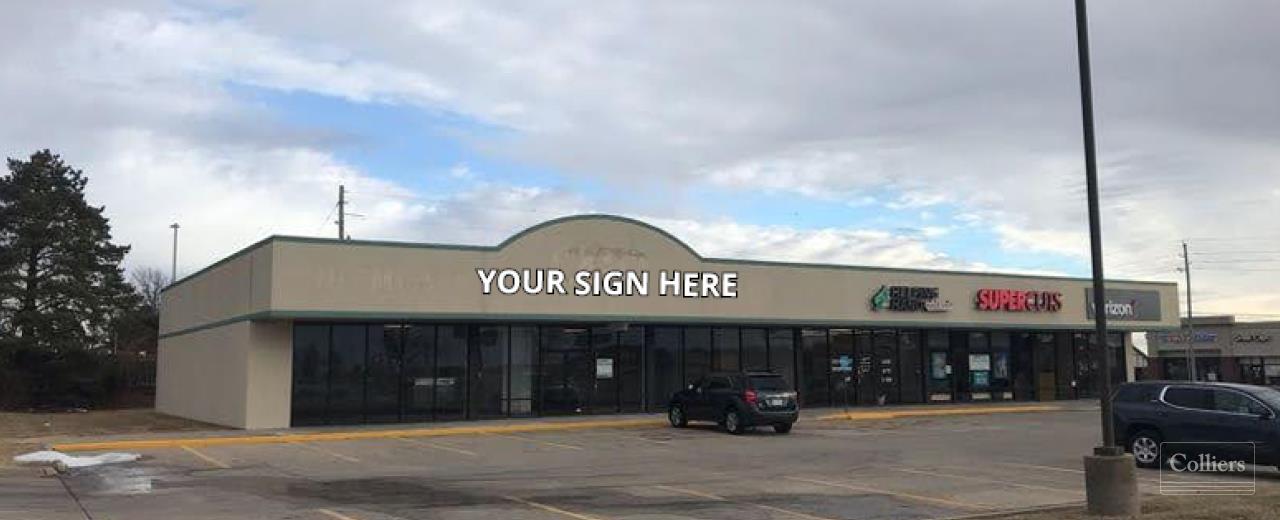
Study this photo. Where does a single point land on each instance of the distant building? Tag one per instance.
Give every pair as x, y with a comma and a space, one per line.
1224, 350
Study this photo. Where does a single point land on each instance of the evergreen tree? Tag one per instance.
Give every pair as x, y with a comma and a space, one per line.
61, 283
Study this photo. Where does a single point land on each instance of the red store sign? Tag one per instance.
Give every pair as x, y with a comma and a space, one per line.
1018, 301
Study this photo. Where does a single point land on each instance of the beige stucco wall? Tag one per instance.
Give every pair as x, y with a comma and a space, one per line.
204, 375
235, 375
239, 286
370, 279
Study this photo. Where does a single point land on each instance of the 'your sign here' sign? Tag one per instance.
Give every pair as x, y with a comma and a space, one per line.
682, 284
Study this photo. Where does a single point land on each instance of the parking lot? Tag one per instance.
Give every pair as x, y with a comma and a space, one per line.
941, 467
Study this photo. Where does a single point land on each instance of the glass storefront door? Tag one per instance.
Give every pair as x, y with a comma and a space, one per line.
885, 367
910, 368
843, 384
940, 386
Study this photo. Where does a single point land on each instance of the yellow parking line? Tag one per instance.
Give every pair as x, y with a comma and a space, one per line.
438, 446
357, 434
206, 458
935, 412
330, 453
537, 441
987, 480
334, 514
551, 509
907, 496
709, 496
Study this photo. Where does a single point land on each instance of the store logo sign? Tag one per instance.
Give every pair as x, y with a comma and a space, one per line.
1010, 300
1127, 305
908, 299
1252, 338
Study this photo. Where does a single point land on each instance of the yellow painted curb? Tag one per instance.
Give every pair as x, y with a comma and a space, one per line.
934, 412
353, 435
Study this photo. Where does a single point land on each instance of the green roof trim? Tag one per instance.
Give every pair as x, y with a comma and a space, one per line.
331, 315
632, 221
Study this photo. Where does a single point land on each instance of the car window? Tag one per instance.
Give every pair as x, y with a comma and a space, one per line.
769, 383
1186, 397
1270, 396
1137, 393
718, 383
1235, 402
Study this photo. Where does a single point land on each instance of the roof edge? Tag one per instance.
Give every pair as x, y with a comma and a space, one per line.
628, 220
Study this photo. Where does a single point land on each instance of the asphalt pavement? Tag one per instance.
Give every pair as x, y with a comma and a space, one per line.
906, 468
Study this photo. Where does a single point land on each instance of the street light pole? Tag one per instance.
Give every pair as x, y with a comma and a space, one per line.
173, 268
1095, 224
1191, 329
1111, 484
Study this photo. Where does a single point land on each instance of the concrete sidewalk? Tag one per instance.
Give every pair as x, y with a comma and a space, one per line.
501, 426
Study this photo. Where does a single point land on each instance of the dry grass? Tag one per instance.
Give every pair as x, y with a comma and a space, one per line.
1264, 505
24, 432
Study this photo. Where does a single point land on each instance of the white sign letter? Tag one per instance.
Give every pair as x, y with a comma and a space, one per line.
486, 280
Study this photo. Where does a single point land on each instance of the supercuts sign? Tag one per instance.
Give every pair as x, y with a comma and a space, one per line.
1127, 305
1010, 300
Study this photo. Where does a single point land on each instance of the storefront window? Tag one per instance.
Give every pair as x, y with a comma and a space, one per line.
346, 374
488, 371
663, 365
727, 347
628, 369
382, 378
697, 353
755, 349
524, 355
815, 367
782, 354
310, 374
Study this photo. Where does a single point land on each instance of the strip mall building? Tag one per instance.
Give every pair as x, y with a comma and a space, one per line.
601, 314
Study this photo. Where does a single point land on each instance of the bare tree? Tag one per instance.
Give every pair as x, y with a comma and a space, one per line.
148, 282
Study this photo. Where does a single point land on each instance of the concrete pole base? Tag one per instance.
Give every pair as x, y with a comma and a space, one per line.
1111, 483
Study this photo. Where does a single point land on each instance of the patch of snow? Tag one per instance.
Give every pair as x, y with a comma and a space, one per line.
50, 457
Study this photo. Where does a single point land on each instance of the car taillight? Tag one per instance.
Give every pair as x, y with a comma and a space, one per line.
750, 397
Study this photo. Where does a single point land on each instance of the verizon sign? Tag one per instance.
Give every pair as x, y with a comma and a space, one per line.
1127, 305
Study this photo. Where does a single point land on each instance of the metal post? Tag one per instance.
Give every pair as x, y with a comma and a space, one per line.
1095, 224
1191, 329
173, 268
342, 212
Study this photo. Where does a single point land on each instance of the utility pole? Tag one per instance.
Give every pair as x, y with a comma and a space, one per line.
342, 212
1111, 483
173, 269
1191, 329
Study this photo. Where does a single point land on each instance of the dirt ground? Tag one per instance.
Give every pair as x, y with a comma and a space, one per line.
24, 432
1266, 504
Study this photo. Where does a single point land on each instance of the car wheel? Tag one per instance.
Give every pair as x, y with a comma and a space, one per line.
1145, 447
782, 428
733, 422
677, 417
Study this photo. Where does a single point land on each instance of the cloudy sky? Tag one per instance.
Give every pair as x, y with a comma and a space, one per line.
936, 134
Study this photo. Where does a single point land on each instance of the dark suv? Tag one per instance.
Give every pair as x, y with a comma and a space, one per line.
1148, 413
737, 400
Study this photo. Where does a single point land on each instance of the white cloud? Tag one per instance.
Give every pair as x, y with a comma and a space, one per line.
836, 101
